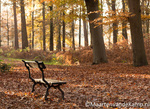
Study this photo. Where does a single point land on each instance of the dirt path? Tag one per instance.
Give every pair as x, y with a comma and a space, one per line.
86, 85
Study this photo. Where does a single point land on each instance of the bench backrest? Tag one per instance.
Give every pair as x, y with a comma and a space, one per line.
35, 64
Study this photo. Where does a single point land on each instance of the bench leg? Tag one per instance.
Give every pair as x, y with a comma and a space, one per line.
61, 92
33, 87
47, 93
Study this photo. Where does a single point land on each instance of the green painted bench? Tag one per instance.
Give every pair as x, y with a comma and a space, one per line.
48, 83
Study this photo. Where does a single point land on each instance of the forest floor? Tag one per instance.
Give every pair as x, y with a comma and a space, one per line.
87, 86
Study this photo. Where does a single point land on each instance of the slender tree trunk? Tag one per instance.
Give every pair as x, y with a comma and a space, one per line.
7, 30
143, 12
0, 25
85, 28
115, 26
109, 37
101, 7
30, 41
147, 22
15, 25
51, 30
44, 37
72, 30
23, 26
64, 31
85, 33
33, 25
80, 28
99, 54
139, 56
59, 35
124, 30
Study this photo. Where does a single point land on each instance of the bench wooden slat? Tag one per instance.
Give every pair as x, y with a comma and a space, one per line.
50, 81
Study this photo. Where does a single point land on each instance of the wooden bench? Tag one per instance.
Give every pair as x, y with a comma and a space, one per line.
48, 83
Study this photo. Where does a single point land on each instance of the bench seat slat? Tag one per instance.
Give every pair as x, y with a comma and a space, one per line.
50, 81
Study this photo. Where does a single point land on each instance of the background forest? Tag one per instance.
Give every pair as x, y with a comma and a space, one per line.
45, 29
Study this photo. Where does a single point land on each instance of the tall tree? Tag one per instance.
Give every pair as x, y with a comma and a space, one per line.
85, 28
64, 30
43, 12
72, 35
72, 31
80, 28
139, 56
51, 30
23, 26
7, 30
0, 25
85, 33
124, 30
58, 47
15, 25
33, 5
99, 54
147, 13
143, 12
115, 26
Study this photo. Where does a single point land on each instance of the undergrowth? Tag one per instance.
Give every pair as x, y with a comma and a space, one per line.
120, 52
4, 67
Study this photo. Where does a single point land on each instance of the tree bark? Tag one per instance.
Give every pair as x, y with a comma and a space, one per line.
80, 28
147, 21
51, 30
7, 30
44, 37
143, 12
23, 26
0, 24
139, 56
72, 31
115, 26
59, 35
33, 24
15, 25
124, 29
64, 31
85, 33
99, 54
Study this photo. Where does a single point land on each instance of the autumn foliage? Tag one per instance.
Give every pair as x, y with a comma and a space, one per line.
120, 52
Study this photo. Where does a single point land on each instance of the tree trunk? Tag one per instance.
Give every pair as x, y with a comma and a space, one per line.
85, 28
80, 28
143, 12
139, 56
15, 25
44, 37
115, 26
85, 33
64, 31
99, 54
7, 30
0, 25
147, 22
51, 30
23, 26
124, 30
72, 30
59, 35
33, 24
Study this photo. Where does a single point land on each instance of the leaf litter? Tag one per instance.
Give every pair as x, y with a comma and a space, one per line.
104, 83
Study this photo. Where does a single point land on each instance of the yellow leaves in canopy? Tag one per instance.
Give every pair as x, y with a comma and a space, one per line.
110, 17
47, 0
145, 17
